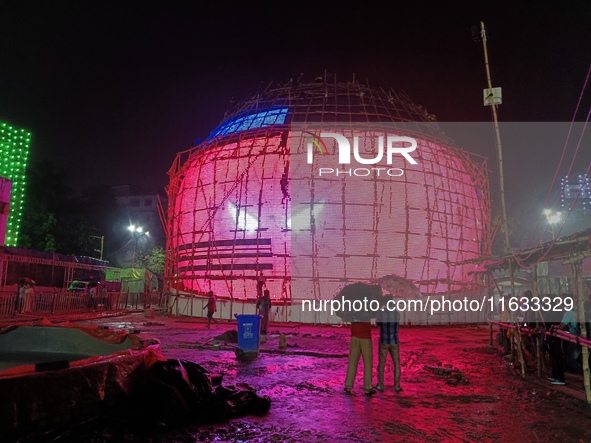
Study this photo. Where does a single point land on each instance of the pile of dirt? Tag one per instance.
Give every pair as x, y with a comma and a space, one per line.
180, 390
230, 336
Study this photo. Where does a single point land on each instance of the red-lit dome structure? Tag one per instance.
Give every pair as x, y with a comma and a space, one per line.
251, 202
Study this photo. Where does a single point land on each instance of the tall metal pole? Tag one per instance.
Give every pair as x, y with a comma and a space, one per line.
102, 239
134, 248
498, 137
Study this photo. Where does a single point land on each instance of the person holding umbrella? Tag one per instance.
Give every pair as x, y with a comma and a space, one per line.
360, 345
388, 321
29, 294
361, 342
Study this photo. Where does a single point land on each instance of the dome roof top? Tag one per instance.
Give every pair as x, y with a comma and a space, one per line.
322, 101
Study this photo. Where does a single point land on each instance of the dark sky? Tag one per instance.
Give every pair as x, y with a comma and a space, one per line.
112, 90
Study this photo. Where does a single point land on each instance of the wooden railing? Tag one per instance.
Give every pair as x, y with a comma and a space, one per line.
55, 303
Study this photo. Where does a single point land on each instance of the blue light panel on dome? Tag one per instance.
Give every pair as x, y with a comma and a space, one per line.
260, 119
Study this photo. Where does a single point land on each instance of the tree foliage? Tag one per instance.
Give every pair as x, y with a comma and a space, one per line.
54, 220
155, 261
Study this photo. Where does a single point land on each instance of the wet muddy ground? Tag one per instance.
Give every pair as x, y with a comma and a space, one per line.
455, 389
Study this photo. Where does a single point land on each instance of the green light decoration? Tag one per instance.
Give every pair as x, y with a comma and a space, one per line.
14, 151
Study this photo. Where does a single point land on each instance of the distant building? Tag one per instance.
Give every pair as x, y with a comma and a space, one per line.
576, 193
14, 153
142, 208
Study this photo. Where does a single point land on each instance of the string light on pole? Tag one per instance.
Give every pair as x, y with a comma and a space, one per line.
136, 233
553, 219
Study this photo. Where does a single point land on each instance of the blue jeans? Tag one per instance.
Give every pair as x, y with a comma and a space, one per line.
573, 351
394, 352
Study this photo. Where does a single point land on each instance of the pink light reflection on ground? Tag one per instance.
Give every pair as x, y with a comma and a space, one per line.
309, 404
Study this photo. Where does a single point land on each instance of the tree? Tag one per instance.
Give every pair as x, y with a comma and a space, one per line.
54, 220
46, 196
39, 232
47, 189
155, 261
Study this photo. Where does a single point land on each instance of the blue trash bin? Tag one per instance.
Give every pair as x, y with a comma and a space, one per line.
249, 332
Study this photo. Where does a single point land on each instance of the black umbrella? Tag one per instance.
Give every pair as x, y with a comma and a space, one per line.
355, 301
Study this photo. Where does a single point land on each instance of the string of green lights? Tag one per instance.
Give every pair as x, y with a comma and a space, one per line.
14, 152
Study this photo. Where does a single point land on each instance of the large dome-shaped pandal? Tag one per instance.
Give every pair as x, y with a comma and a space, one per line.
245, 202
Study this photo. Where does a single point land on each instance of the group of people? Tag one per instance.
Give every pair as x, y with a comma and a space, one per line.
566, 354
361, 346
563, 354
263, 307
93, 297
27, 301
25, 297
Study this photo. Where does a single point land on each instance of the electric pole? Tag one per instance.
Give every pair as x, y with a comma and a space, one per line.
491, 99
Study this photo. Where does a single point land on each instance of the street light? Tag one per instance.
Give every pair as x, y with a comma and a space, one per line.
136, 233
553, 219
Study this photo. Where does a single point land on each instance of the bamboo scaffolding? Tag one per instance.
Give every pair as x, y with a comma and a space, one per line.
247, 163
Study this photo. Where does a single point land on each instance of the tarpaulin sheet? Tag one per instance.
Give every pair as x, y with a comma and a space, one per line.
32, 400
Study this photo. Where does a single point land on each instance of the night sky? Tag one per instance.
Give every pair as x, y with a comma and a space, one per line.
112, 90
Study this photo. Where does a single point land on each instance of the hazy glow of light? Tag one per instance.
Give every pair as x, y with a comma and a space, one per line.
244, 222
301, 219
555, 218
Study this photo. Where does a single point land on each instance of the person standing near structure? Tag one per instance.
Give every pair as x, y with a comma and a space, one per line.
360, 345
105, 297
572, 350
29, 296
260, 285
388, 321
553, 345
211, 308
20, 297
263, 305
92, 302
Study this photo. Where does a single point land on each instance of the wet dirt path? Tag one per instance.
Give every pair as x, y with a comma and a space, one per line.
488, 401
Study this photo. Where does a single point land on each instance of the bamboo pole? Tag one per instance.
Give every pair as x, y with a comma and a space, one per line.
490, 295
518, 330
537, 337
572, 338
578, 271
498, 139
